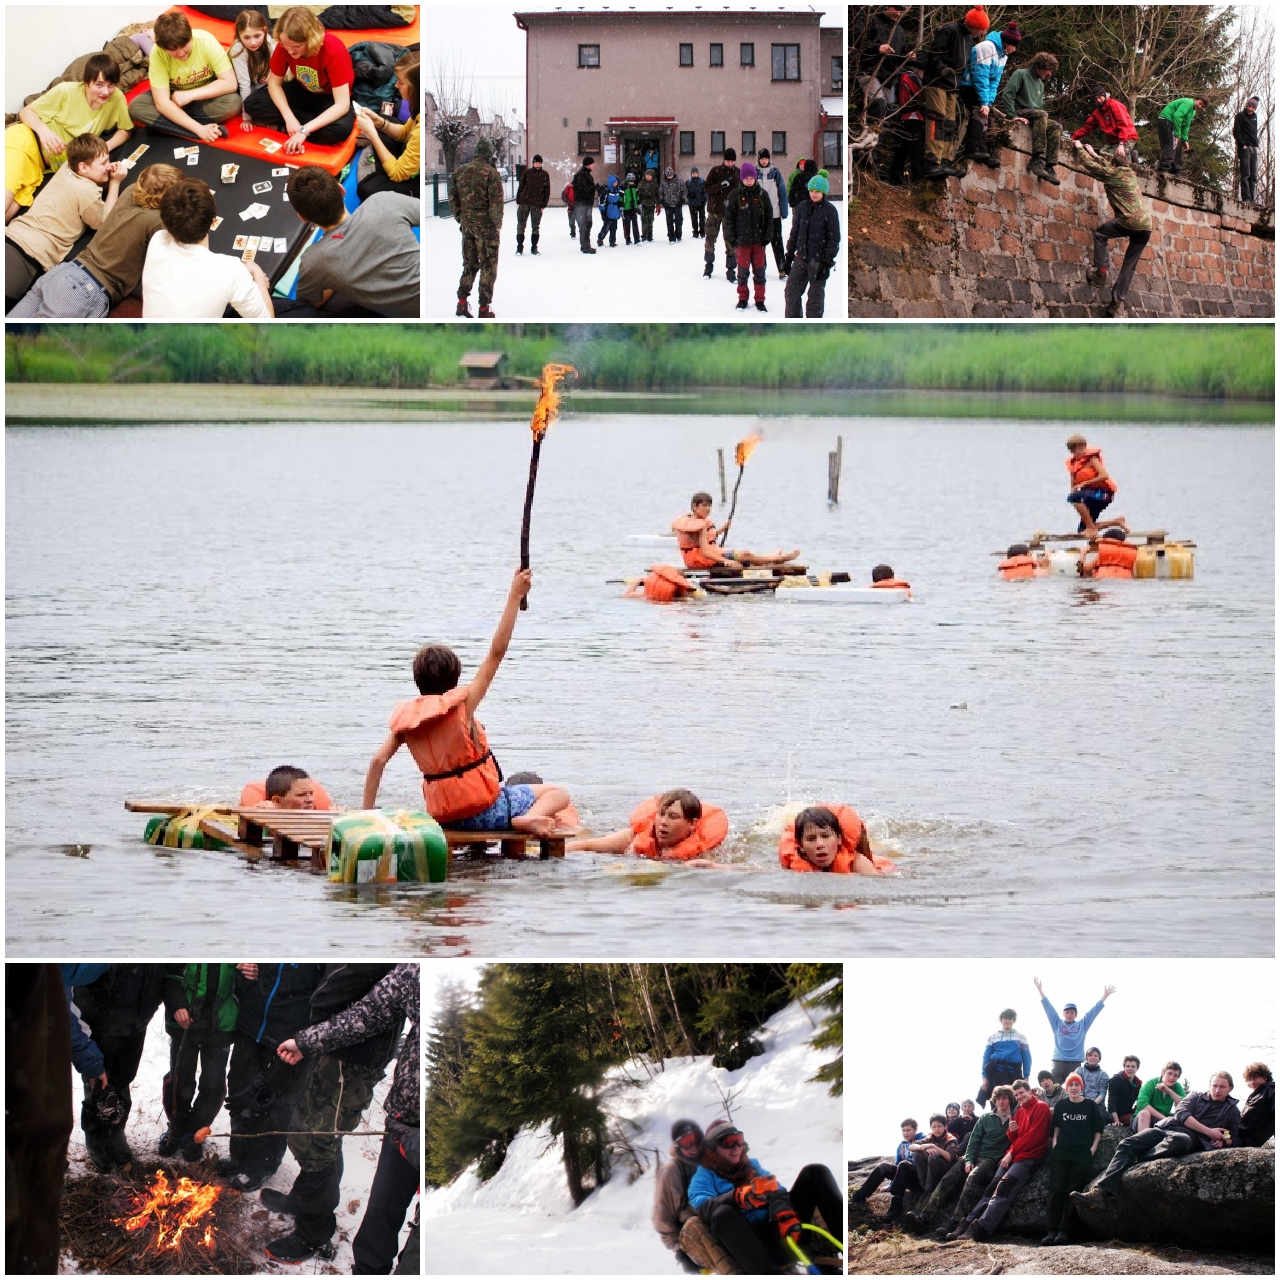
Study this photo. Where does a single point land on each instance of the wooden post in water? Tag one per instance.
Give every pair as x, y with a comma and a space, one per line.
834, 459
724, 496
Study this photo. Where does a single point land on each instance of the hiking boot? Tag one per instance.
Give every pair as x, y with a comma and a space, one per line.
761, 307
192, 1151
742, 305
1115, 308
120, 1147
168, 1143
464, 309
100, 1156
979, 1234
486, 313
1048, 175
944, 1233
228, 1167
940, 171
290, 1248
895, 1210
519, 246
1096, 276
1051, 1238
992, 162
1096, 1198
957, 1232
980, 156
278, 1201
913, 1223
708, 270
859, 1197
730, 274
1062, 1238
588, 247
533, 246
246, 1181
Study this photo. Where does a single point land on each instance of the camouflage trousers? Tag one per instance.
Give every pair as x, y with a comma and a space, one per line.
479, 255
316, 1147
526, 213
646, 220
714, 222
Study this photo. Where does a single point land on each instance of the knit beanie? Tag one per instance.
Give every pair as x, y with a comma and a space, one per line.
819, 183
977, 18
720, 1129
537, 159
1011, 35
748, 170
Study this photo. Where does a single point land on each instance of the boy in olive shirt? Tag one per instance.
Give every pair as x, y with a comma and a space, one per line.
1077, 1129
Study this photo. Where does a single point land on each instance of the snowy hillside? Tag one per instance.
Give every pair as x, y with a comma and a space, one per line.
523, 1221
656, 280
147, 1123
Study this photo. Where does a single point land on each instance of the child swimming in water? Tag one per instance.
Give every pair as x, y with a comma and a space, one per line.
675, 826
829, 838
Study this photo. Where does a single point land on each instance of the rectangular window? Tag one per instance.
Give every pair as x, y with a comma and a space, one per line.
686, 55
717, 55
837, 71
717, 143
589, 56
589, 144
831, 148
687, 146
786, 62
748, 142
779, 142
746, 55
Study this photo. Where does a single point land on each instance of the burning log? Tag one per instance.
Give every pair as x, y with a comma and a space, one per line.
545, 413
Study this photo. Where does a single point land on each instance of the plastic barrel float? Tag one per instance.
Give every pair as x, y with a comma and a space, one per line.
182, 830
378, 846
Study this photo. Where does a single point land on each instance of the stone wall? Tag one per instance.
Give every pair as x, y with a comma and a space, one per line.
999, 242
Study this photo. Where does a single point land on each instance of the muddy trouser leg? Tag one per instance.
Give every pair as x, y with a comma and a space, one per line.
535, 215
395, 1183
975, 1187
744, 1241
522, 217
712, 235
470, 264
120, 1056
1067, 1173
931, 1209
410, 1263
939, 123
730, 249
1102, 234
316, 1148
815, 1188
646, 220
1016, 1176
1038, 120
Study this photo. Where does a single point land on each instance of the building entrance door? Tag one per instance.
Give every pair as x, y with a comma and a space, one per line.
641, 151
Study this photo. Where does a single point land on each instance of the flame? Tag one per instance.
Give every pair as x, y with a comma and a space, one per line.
745, 449
174, 1210
547, 409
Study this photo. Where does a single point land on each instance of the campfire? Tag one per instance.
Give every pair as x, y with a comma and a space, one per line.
161, 1224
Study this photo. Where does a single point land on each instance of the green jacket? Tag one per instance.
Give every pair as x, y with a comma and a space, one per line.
989, 1140
630, 199
1123, 191
1149, 1097
208, 990
1023, 92
1180, 113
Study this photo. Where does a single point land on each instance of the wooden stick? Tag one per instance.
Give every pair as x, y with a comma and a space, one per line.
528, 509
733, 506
720, 460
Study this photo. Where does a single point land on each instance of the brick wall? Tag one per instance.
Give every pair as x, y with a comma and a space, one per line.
999, 242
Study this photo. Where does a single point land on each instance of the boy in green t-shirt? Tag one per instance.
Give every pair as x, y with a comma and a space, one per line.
1077, 1129
1158, 1097
1174, 127
193, 84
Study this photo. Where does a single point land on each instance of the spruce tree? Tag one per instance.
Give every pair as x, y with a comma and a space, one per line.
810, 977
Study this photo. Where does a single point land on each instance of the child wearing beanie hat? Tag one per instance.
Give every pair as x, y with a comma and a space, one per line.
820, 183
748, 221
812, 247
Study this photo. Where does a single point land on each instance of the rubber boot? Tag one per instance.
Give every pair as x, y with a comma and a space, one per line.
709, 269
533, 245
519, 244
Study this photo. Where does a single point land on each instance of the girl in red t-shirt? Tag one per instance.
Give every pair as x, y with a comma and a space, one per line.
315, 103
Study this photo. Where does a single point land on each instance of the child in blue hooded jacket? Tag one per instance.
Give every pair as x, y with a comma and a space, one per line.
978, 86
610, 211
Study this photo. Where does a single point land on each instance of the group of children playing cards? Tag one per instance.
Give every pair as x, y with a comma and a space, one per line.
154, 232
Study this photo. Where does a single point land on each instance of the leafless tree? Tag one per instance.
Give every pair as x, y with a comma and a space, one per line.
1252, 75
455, 117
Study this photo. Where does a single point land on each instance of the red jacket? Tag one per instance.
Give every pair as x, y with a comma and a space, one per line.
1031, 1142
1112, 118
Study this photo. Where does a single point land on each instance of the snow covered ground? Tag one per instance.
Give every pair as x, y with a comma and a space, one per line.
523, 1221
147, 1123
653, 281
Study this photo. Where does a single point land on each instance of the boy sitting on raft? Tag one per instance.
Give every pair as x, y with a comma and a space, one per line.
696, 537
1092, 489
829, 838
461, 783
286, 787
675, 826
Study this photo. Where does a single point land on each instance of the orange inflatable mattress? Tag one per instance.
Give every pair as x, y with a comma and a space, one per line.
225, 32
249, 143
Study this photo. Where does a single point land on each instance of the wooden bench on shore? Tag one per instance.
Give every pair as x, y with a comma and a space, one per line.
291, 831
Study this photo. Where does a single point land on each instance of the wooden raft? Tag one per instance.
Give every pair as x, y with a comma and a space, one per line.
293, 830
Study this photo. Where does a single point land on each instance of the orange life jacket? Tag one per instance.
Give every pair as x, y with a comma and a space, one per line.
688, 531
460, 777
851, 829
1115, 558
1081, 469
255, 793
1017, 567
664, 583
708, 832
892, 582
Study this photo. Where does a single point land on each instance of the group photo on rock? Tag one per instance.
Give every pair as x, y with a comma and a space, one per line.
635, 163
1070, 1122
1064, 161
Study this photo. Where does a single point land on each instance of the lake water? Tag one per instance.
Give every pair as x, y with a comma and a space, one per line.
1088, 766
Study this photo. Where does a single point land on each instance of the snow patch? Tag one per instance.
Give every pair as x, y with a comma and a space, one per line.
523, 1222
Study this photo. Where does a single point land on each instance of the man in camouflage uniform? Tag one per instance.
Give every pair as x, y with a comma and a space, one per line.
396, 1181
720, 183
476, 198
338, 1090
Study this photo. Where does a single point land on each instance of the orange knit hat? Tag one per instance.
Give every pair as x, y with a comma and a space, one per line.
977, 18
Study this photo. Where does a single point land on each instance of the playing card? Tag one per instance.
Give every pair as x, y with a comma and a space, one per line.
229, 172
281, 244
262, 209
248, 255
240, 242
285, 197
215, 224
193, 159
280, 173
269, 146
133, 157
179, 152
254, 241
260, 187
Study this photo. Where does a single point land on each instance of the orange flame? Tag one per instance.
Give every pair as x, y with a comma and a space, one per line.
547, 409
174, 1210
745, 449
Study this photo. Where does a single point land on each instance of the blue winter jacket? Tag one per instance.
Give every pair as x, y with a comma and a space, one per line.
1010, 1049
611, 199
985, 67
85, 1055
1069, 1037
705, 1185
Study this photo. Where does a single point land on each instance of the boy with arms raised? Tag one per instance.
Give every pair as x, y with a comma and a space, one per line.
461, 782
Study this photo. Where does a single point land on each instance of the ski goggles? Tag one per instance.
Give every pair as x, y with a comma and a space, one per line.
734, 1142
